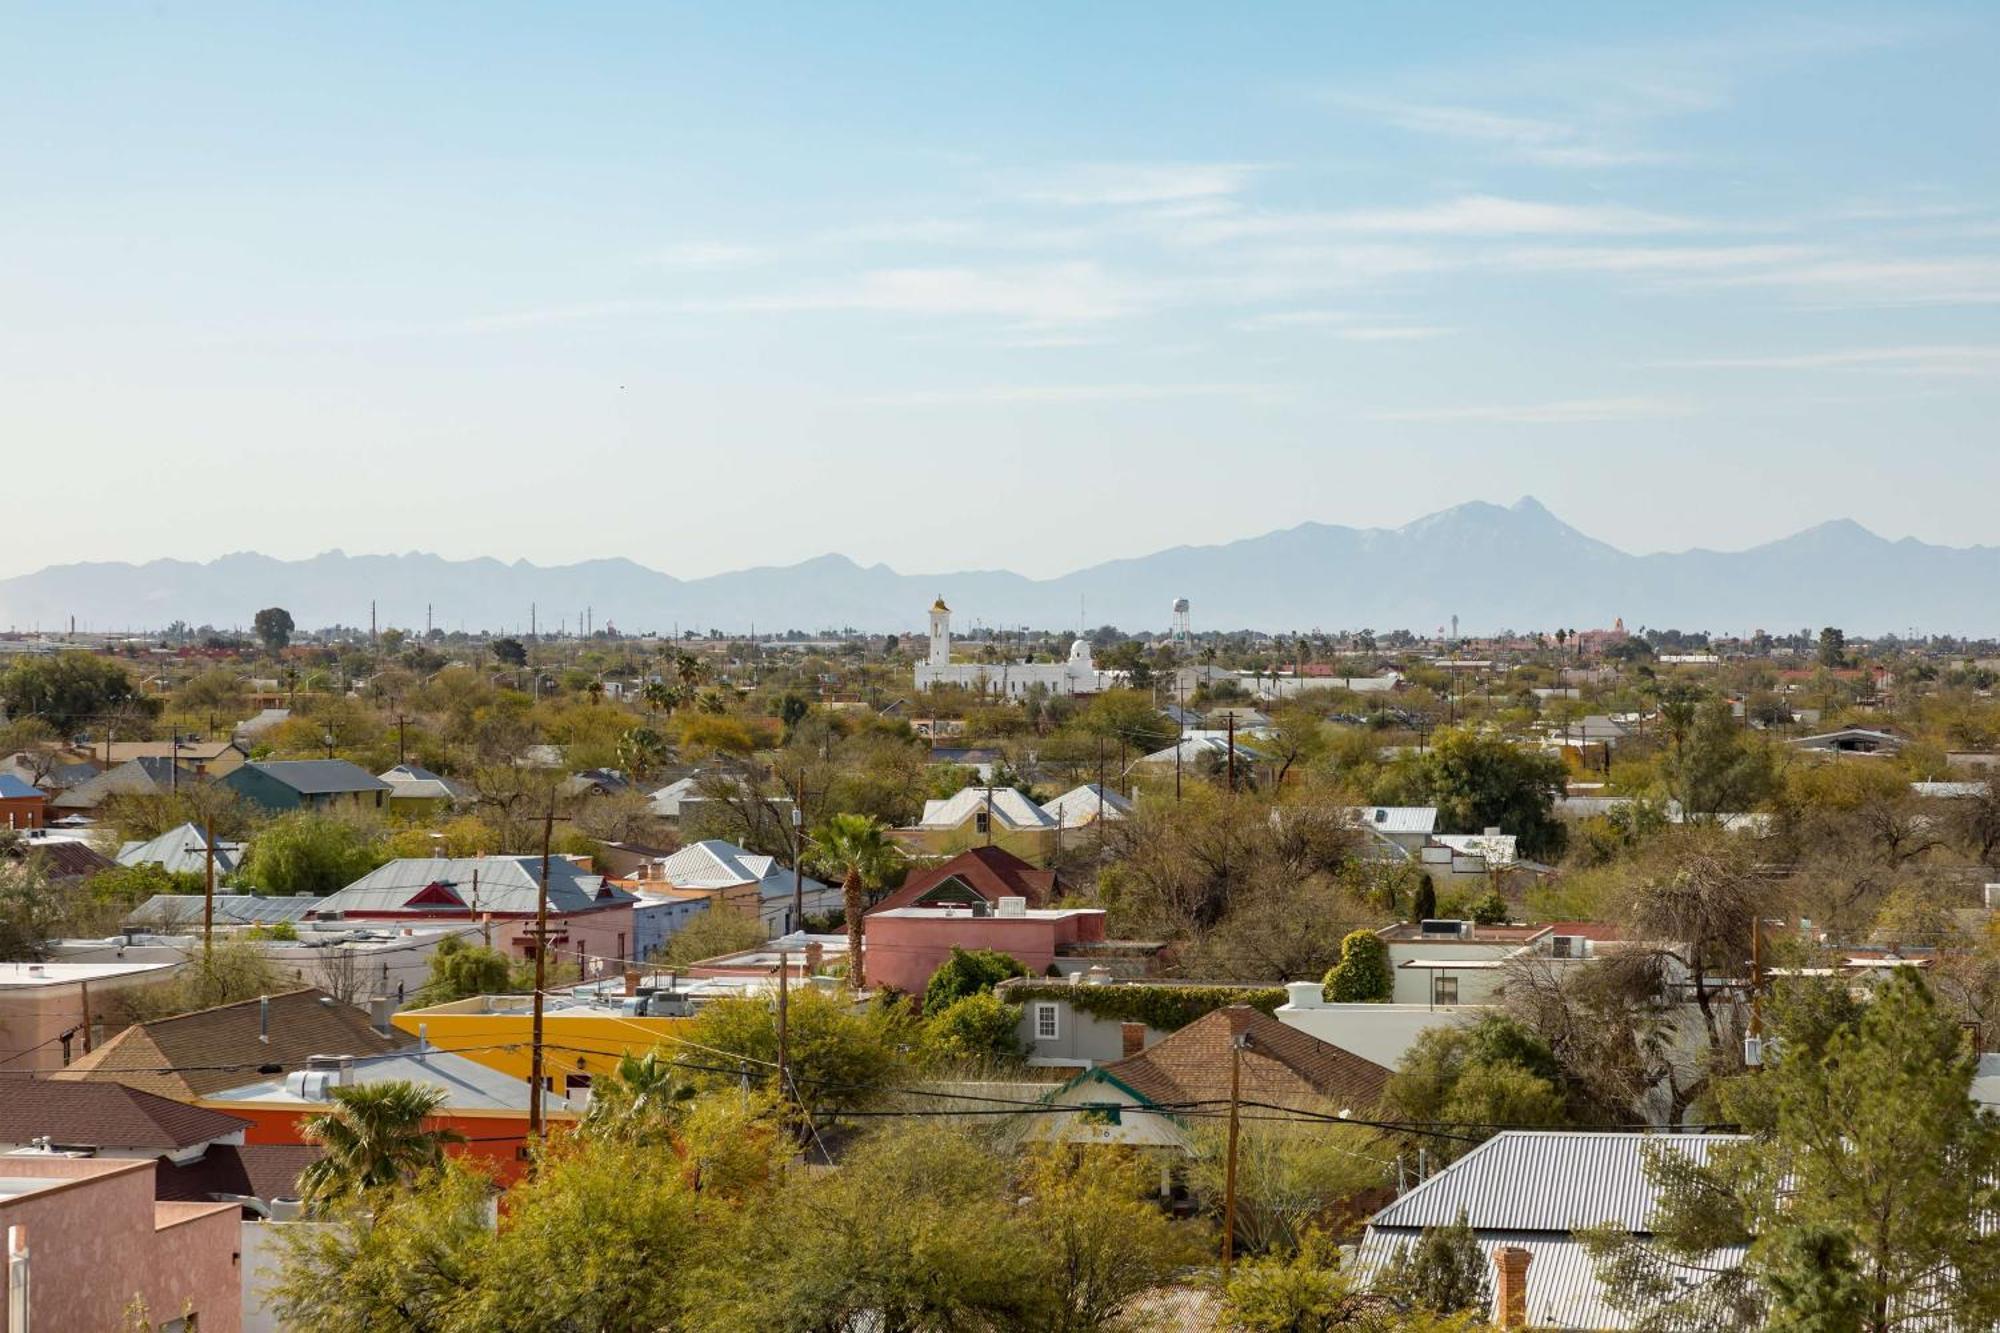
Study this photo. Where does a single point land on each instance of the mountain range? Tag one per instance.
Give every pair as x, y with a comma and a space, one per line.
1516, 566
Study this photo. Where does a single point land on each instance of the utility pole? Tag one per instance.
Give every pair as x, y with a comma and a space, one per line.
1229, 1168
798, 855
1180, 735
402, 755
784, 1041
1232, 752
1756, 989
208, 899
541, 976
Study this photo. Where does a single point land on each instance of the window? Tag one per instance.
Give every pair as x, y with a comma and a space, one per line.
1048, 1022
981, 822
1444, 990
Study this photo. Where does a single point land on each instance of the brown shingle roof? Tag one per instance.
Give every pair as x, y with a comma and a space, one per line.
264, 1171
991, 872
62, 859
195, 1054
1281, 1066
105, 1115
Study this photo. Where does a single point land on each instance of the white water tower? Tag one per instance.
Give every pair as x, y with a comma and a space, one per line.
1183, 633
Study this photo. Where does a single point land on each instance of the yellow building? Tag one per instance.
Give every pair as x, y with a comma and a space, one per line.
581, 1036
982, 817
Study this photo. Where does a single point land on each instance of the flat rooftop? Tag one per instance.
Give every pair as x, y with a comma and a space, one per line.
23, 976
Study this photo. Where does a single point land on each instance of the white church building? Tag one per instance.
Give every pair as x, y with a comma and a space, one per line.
1013, 680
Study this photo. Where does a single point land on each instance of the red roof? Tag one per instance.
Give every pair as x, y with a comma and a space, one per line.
991, 872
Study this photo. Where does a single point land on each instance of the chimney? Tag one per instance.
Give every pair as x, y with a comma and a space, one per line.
1510, 1295
380, 1008
264, 1018
632, 983
1305, 994
1134, 1037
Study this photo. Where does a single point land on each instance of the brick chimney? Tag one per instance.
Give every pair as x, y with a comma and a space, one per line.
1134, 1037
631, 983
1510, 1295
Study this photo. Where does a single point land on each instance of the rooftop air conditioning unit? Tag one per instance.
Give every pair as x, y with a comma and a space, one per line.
1443, 927
1012, 907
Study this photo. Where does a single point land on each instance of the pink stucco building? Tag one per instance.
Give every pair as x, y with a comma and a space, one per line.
904, 945
88, 1247
51, 1013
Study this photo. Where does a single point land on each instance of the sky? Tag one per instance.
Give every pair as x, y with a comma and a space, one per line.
950, 287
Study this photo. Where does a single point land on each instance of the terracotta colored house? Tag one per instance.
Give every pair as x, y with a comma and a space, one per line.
978, 878
904, 945
1136, 1100
22, 806
86, 1240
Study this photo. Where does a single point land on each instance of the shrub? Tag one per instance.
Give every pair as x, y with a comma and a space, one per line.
1362, 974
968, 972
978, 1027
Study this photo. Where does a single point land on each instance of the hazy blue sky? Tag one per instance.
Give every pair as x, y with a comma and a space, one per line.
950, 286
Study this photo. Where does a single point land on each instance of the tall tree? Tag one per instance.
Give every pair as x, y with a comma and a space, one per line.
858, 849
1864, 1190
274, 627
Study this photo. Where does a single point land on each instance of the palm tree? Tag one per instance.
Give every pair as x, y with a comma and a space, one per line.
691, 670
641, 1101
859, 848
374, 1137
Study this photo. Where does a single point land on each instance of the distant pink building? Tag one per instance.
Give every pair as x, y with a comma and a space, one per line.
51, 1013
87, 1247
904, 945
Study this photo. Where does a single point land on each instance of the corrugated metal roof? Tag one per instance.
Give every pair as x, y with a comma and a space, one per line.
182, 911
507, 884
1010, 806
181, 851
1396, 818
1083, 804
1544, 1180
1563, 1290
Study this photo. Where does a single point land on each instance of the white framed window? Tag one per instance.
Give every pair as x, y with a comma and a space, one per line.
1048, 1022
1444, 989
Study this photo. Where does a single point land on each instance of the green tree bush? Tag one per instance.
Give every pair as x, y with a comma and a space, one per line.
1362, 974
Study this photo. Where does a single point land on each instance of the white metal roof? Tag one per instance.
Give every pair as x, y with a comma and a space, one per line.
1396, 818
1010, 807
1085, 804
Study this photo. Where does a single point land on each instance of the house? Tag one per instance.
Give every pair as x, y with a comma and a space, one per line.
183, 851
1065, 1025
1443, 963
22, 805
658, 914
1383, 1033
976, 816
52, 1012
747, 882
1528, 1190
488, 1108
416, 792
88, 1239
1851, 740
589, 919
979, 878
904, 945
202, 1154
1404, 827
1150, 1099
171, 912
48, 771
192, 1056
585, 1033
144, 776
1087, 805
205, 759
1201, 754
64, 859
309, 784
595, 782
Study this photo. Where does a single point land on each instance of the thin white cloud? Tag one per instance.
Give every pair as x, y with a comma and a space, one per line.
1467, 216
580, 312
1116, 184
1532, 139
1874, 282
1000, 395
1664, 259
1951, 359
1569, 412
1291, 319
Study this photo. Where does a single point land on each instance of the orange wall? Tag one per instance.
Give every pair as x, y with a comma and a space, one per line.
494, 1141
